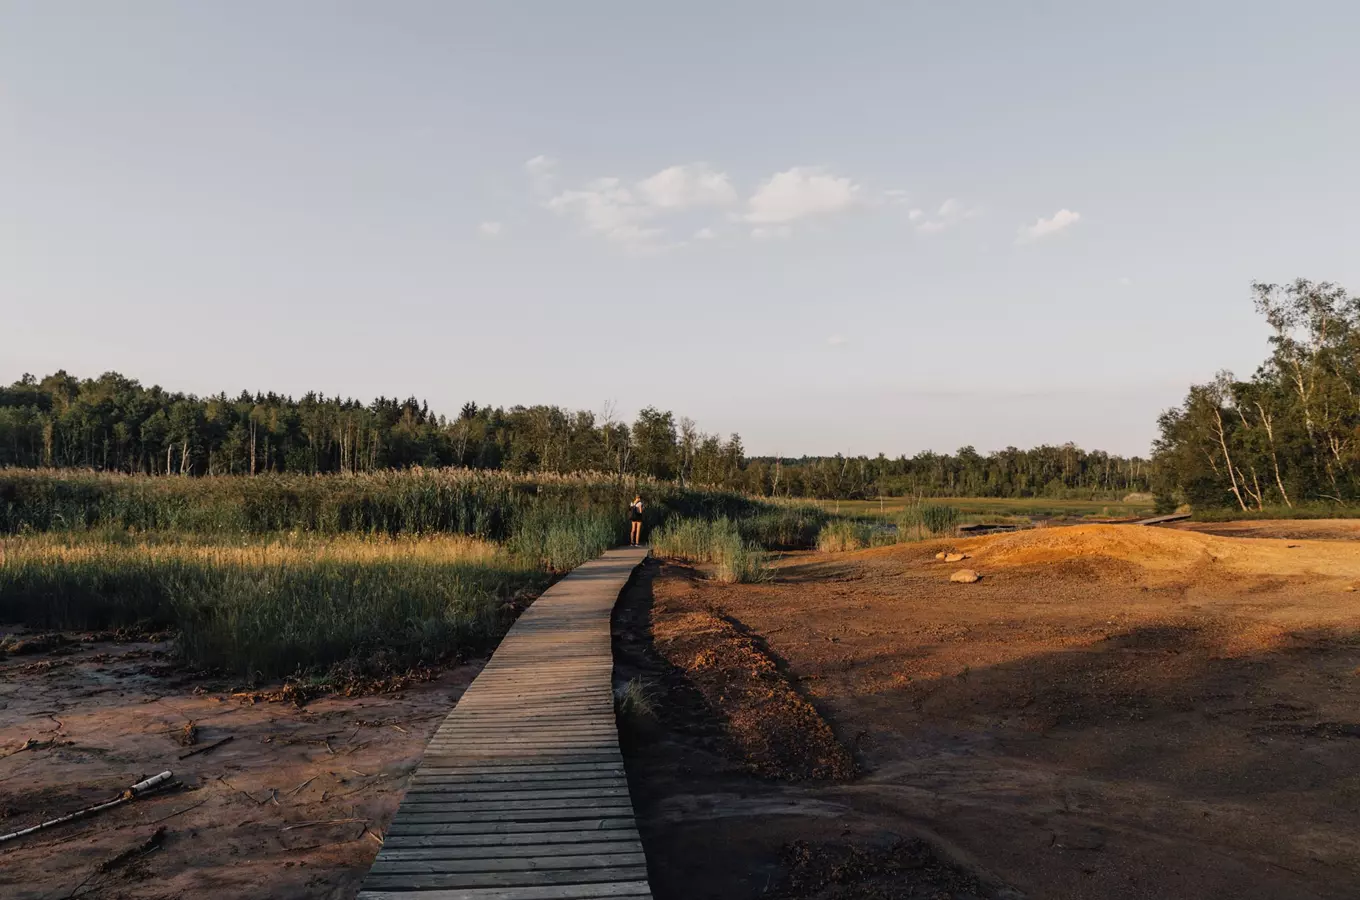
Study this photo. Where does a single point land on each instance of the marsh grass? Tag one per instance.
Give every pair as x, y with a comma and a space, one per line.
285, 574
562, 537
273, 608
917, 522
719, 542
783, 526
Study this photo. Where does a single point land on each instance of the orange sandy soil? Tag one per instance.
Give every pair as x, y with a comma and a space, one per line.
294, 806
1111, 712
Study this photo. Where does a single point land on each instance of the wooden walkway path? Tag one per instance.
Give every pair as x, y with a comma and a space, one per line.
522, 794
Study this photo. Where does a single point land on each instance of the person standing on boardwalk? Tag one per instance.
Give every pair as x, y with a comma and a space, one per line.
635, 522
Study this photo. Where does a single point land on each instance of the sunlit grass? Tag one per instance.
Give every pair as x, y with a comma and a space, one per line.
274, 607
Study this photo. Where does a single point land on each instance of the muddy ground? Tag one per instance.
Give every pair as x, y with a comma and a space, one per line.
294, 805
1111, 712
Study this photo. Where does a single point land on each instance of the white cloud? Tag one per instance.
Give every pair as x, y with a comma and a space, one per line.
1059, 221
705, 234
896, 197
686, 187
491, 229
950, 209
541, 166
950, 213
1126, 281
798, 193
608, 208
769, 232
838, 340
632, 214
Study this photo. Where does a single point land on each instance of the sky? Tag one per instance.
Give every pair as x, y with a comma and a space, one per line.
853, 227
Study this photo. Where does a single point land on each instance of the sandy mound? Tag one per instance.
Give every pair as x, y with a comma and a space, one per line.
1165, 551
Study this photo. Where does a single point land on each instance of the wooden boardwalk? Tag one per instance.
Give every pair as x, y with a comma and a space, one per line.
522, 794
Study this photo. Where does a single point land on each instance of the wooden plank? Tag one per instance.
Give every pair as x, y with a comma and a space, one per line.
529, 851
502, 828
522, 794
466, 816
453, 766
614, 891
596, 875
387, 866
511, 801
475, 788
508, 844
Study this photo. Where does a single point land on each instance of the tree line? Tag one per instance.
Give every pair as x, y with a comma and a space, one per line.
1064, 471
114, 423
1290, 434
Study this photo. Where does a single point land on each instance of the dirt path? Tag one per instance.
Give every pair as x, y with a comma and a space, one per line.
1174, 717
293, 806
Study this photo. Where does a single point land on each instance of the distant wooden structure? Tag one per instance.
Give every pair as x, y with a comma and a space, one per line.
522, 793
1162, 520
977, 528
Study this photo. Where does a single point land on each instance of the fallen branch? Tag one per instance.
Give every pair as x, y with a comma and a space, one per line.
323, 822
178, 813
208, 748
31, 744
131, 853
139, 789
301, 786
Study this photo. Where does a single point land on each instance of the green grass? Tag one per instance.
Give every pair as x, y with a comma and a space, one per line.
263, 609
561, 538
413, 501
916, 522
719, 542
1028, 507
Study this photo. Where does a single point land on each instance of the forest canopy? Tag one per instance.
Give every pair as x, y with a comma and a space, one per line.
114, 423
1290, 434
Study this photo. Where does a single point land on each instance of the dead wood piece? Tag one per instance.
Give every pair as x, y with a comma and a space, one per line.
322, 822
141, 788
132, 853
208, 748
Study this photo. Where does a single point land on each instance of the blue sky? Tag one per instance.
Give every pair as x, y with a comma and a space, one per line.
853, 227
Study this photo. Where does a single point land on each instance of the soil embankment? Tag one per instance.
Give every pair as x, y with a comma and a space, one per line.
1110, 712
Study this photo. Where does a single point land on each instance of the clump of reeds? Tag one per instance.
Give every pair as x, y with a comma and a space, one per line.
844, 534
563, 537
718, 542
783, 526
921, 521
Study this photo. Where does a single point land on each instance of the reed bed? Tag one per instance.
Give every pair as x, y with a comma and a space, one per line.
278, 607
483, 504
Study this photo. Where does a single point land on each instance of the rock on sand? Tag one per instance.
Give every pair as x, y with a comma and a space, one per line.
964, 576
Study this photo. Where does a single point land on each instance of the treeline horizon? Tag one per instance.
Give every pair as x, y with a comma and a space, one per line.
1289, 435
114, 423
